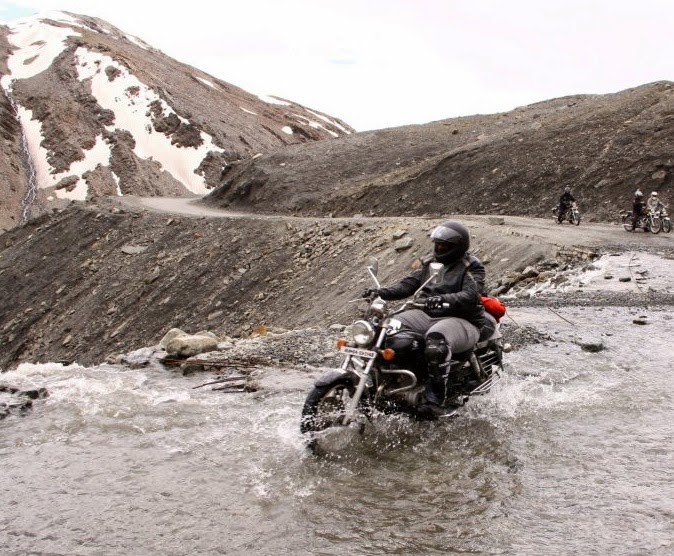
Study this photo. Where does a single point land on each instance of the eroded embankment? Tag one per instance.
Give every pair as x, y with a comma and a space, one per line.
92, 282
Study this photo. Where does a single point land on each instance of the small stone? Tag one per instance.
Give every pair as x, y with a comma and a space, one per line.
404, 243
592, 346
133, 249
640, 321
625, 279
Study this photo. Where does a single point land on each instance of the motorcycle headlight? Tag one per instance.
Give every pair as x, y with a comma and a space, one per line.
362, 332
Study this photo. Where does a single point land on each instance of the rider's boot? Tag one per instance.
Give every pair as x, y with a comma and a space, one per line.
437, 361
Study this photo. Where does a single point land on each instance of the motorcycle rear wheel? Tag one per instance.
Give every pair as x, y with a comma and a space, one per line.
627, 222
325, 405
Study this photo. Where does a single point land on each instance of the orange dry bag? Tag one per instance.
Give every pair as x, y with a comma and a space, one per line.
494, 307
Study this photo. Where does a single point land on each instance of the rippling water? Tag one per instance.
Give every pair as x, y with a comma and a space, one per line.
572, 454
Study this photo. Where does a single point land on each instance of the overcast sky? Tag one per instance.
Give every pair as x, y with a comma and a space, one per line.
384, 63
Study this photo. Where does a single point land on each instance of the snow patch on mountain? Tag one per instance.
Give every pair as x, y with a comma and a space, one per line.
206, 82
130, 101
329, 121
37, 45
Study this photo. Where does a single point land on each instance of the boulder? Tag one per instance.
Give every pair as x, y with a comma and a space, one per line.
188, 345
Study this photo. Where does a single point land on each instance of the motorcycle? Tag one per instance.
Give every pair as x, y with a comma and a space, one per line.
384, 369
572, 214
648, 221
664, 218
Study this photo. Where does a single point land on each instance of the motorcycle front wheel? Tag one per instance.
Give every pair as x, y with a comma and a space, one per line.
325, 405
655, 226
575, 218
666, 225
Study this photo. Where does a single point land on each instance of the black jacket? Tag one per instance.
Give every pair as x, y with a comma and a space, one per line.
566, 199
462, 287
638, 206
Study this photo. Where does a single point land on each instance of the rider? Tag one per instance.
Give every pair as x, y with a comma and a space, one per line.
453, 313
654, 204
565, 202
638, 207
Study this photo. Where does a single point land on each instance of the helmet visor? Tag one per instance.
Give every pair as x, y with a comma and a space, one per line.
446, 235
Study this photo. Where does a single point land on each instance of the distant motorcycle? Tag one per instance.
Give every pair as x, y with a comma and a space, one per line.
571, 214
384, 370
648, 222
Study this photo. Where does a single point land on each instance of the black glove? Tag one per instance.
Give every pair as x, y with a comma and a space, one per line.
369, 293
434, 303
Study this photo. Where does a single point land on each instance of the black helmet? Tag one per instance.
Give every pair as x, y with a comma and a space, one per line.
451, 241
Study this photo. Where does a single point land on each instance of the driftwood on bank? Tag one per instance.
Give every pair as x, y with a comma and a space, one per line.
220, 381
210, 363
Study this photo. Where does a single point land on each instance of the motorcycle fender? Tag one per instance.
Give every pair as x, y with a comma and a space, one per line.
332, 376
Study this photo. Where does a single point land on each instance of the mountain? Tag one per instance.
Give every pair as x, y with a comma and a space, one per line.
103, 113
518, 162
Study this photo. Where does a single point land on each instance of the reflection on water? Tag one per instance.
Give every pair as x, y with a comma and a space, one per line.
570, 454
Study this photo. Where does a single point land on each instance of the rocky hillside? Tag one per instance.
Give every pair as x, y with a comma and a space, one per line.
603, 146
99, 280
103, 113
13, 175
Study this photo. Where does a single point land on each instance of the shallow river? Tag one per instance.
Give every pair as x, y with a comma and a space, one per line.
572, 453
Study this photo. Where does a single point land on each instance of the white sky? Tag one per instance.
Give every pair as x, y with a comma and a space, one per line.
384, 63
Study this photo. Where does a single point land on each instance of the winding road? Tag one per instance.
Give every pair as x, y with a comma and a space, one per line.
546, 229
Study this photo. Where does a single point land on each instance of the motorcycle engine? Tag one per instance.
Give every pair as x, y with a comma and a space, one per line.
408, 347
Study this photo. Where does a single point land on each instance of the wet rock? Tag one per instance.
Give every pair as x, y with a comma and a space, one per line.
189, 345
625, 279
14, 401
530, 272
640, 320
35, 394
591, 346
142, 357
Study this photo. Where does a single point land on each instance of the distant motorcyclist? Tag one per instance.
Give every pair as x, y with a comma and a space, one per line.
453, 314
565, 202
654, 204
638, 207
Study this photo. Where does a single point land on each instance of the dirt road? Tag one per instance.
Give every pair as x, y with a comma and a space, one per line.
546, 229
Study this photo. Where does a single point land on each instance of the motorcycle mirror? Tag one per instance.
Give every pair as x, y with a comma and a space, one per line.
373, 265
373, 268
437, 271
